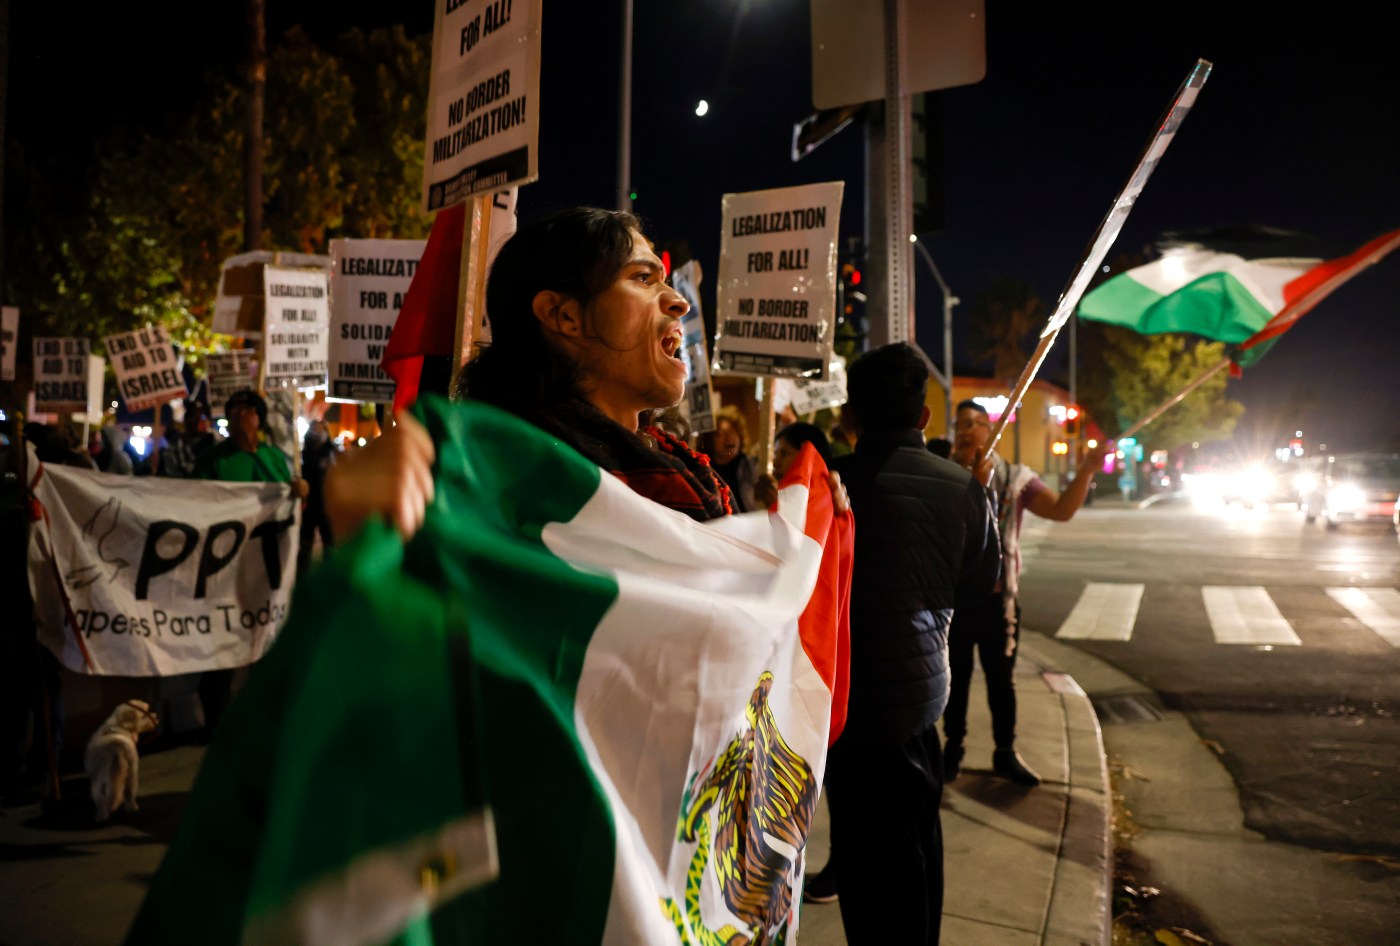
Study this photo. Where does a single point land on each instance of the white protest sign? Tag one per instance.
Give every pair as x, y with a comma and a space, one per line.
814, 394
368, 282
695, 352
61, 375
296, 330
483, 99
777, 281
148, 373
224, 373
145, 576
238, 307
9, 338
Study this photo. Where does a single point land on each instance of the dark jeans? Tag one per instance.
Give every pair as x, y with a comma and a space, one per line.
982, 629
884, 821
313, 520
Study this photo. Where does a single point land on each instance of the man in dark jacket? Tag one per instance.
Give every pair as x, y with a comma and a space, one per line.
925, 541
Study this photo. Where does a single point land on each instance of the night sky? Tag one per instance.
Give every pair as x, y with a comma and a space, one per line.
1298, 127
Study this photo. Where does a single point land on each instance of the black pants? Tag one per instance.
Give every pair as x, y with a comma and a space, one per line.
984, 630
884, 822
313, 521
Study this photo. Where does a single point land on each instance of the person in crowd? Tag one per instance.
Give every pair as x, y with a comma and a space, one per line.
727, 447
788, 443
245, 457
184, 445
993, 629
940, 447
926, 543
107, 445
585, 332
52, 446
318, 454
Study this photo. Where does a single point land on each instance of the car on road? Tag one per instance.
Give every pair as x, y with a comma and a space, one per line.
1355, 487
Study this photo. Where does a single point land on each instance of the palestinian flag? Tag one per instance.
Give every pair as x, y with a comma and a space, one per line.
1246, 302
562, 713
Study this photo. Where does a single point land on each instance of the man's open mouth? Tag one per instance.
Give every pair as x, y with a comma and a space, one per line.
671, 345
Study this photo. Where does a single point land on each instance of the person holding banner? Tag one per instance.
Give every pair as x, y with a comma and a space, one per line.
994, 629
245, 457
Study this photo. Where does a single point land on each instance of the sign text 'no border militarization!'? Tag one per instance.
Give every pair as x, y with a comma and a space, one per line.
483, 99
777, 281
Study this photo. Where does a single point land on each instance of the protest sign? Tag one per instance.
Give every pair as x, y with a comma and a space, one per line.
297, 327
503, 225
238, 306
61, 375
814, 394
368, 281
148, 373
483, 99
139, 576
695, 352
777, 281
226, 372
9, 337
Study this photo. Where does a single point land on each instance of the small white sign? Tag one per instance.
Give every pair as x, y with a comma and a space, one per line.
369, 280
777, 281
61, 375
148, 373
296, 330
483, 99
9, 339
226, 372
814, 394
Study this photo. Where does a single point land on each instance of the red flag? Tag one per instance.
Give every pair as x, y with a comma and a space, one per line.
427, 322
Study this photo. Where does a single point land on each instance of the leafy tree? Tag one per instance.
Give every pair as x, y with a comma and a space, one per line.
1003, 315
1124, 376
344, 156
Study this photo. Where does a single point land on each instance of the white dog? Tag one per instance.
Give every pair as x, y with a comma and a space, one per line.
111, 759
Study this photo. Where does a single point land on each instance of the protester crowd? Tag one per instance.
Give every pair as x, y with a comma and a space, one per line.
583, 349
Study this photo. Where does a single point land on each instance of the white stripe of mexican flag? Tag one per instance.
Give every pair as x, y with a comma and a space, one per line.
650, 700
1219, 295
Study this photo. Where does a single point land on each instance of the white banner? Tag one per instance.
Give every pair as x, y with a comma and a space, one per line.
483, 99
297, 328
699, 400
61, 375
147, 370
777, 281
9, 338
368, 281
226, 372
139, 576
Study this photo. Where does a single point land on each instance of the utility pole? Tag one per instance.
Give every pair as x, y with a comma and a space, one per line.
888, 205
624, 114
253, 131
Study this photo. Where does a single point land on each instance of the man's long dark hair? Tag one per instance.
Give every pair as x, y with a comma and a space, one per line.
577, 253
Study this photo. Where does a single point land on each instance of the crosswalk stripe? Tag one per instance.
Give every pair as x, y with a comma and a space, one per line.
1245, 615
1377, 608
1104, 612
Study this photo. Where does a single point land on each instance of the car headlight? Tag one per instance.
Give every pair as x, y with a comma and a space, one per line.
1305, 483
1256, 485
1345, 498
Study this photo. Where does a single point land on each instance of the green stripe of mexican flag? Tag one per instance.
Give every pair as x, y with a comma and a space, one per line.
1221, 296
619, 713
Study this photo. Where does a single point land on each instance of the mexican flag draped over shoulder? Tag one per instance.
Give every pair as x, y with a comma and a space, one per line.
618, 713
1242, 299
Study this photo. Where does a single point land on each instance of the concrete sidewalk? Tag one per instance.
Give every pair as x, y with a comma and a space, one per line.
1023, 866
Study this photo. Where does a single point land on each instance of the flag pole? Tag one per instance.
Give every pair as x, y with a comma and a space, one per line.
471, 282
1368, 255
1107, 232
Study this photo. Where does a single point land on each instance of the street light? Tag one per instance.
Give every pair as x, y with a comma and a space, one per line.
949, 300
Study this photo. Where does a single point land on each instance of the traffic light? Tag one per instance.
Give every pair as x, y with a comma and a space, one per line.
1072, 417
1059, 448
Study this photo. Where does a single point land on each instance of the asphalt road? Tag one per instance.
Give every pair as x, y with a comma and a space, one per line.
1278, 640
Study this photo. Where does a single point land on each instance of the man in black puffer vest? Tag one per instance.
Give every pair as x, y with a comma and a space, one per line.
925, 541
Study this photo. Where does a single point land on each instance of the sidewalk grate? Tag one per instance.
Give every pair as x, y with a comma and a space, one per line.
1125, 709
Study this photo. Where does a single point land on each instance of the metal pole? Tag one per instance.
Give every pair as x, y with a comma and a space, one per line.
899, 296
624, 115
949, 300
1073, 453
